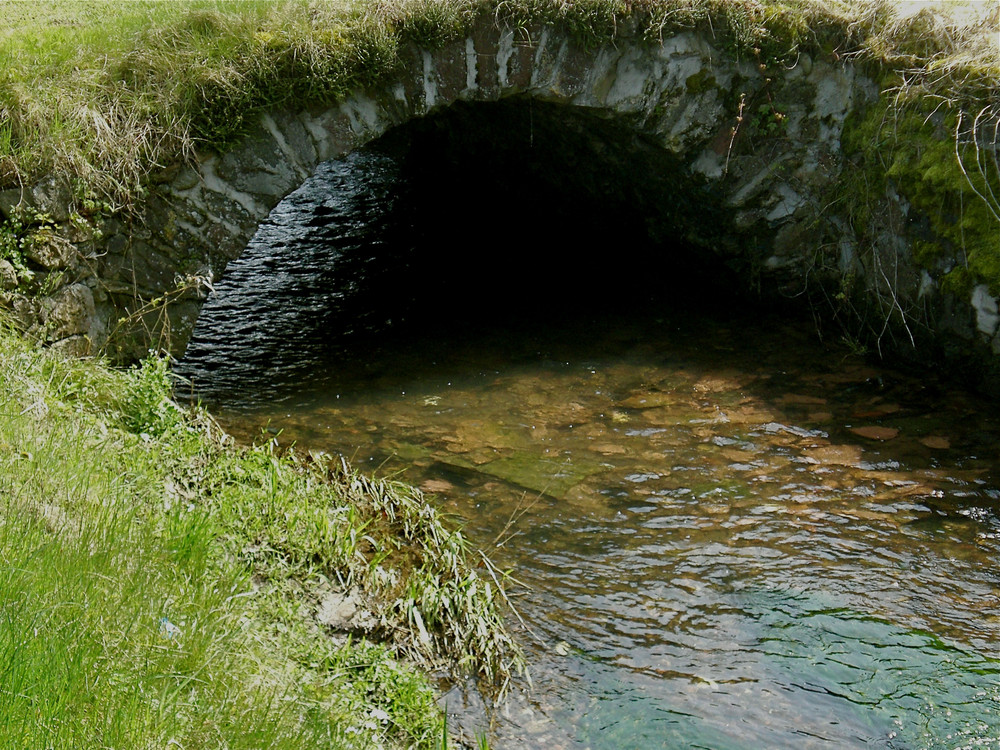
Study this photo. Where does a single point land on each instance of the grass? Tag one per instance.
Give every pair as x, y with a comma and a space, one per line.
105, 93
158, 582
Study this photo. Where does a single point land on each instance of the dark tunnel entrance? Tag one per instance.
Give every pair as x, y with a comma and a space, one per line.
505, 219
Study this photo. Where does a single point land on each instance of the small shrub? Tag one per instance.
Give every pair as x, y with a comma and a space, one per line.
148, 407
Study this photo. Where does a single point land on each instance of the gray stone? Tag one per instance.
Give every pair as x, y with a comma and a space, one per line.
260, 168
116, 244
185, 179
9, 199
75, 346
50, 250
987, 311
344, 611
8, 276
152, 273
296, 139
787, 202
53, 197
69, 312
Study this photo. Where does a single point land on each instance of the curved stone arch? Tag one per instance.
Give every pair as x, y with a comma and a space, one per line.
684, 93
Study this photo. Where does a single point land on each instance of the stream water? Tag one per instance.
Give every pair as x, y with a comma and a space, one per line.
728, 534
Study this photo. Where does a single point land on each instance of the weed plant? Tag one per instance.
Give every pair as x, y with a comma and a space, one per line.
157, 580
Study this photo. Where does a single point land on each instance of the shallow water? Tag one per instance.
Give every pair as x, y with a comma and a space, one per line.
729, 535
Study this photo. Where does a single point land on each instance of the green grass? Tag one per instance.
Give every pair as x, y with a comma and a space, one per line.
104, 93
158, 582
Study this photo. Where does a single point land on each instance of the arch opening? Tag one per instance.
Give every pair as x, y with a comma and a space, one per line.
492, 219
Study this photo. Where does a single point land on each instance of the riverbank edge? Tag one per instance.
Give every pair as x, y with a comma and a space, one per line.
168, 587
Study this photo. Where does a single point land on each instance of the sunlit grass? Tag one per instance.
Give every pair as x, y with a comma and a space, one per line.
104, 93
156, 580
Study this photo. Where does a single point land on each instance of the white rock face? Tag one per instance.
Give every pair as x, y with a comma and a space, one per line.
987, 311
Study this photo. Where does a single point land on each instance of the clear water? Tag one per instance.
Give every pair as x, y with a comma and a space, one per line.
728, 535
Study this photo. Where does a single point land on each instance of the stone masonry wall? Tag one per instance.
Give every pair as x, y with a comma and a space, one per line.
769, 141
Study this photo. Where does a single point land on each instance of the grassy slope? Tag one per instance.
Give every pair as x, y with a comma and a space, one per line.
158, 584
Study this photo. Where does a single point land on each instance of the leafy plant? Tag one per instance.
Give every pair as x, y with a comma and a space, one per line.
18, 232
147, 406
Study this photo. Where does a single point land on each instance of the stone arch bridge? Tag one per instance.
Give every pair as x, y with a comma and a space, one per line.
765, 143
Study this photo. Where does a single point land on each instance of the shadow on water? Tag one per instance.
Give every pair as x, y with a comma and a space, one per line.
731, 535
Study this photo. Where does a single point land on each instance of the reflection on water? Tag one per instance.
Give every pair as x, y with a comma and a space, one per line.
729, 536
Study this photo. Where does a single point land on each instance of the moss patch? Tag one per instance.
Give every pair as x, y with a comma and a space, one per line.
914, 149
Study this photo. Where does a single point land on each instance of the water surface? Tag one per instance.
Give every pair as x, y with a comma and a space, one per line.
729, 535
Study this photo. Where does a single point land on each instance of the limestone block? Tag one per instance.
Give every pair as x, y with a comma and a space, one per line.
573, 74
683, 44
364, 116
51, 251
182, 316
75, 346
226, 245
752, 177
834, 91
189, 208
331, 132
451, 72
787, 202
790, 242
53, 197
258, 167
295, 140
392, 108
682, 73
9, 199
230, 212
695, 120
25, 311
602, 78
411, 81
481, 77
151, 272
8, 276
545, 80
185, 179
848, 262
521, 60
69, 312
710, 164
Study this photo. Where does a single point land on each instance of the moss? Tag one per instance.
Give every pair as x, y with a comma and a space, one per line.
701, 82
959, 282
912, 147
